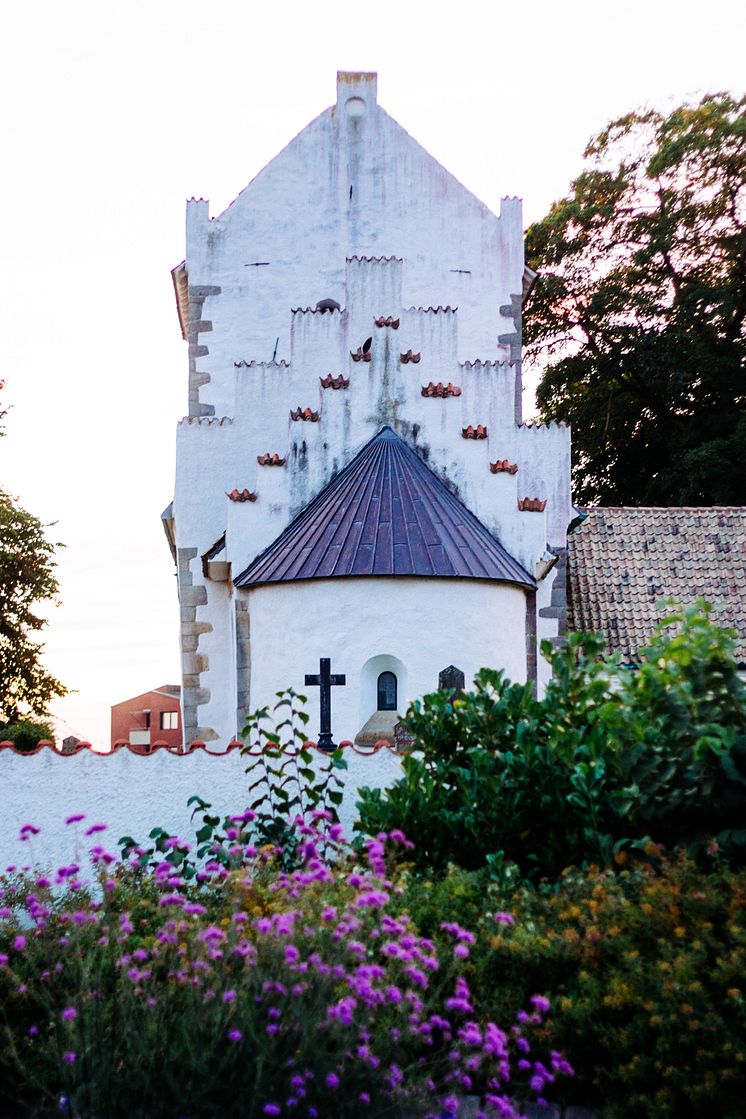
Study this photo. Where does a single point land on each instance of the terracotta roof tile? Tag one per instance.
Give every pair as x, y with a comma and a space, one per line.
504, 466
440, 389
388, 321
478, 432
305, 414
409, 356
531, 504
332, 382
623, 561
361, 355
243, 364
242, 495
270, 459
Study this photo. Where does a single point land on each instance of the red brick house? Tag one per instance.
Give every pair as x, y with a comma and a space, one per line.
149, 718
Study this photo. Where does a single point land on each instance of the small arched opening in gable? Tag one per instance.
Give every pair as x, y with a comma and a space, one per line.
383, 684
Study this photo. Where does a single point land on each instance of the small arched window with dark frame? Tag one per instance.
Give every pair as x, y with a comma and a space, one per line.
387, 689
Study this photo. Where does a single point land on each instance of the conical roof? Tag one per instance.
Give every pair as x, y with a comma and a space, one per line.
386, 513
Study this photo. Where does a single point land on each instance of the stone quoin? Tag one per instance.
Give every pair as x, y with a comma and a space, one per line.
353, 319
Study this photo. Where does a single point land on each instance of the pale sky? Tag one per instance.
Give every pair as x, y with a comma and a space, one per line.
115, 113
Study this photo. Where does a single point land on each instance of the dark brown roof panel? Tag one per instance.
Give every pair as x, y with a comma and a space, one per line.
386, 513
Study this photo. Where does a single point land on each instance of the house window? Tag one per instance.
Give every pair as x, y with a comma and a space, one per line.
169, 720
387, 692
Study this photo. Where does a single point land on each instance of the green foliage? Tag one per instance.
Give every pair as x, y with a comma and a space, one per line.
638, 318
26, 734
607, 758
26, 579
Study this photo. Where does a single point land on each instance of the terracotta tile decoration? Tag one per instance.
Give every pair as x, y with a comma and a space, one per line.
359, 355
478, 432
388, 321
409, 356
504, 466
305, 414
332, 382
531, 505
441, 390
242, 495
622, 562
270, 459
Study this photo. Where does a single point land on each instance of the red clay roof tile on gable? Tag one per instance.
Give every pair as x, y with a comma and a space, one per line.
385, 513
332, 382
388, 321
504, 466
270, 459
305, 414
441, 390
242, 495
531, 505
361, 355
409, 356
478, 432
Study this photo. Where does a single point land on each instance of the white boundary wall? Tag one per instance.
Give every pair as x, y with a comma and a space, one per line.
133, 793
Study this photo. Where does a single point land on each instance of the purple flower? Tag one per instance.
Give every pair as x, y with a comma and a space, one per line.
271, 1109
69, 1057
19, 943
234, 1035
96, 828
75, 819
33, 1031
332, 1081
540, 1003
229, 996
505, 918
69, 1013
3, 958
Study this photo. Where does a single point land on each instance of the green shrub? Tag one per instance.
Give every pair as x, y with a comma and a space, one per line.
611, 755
26, 734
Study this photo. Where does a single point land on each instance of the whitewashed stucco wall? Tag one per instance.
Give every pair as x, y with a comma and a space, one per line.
134, 793
426, 625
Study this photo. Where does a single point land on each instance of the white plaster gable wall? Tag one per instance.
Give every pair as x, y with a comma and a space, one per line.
133, 793
426, 624
355, 210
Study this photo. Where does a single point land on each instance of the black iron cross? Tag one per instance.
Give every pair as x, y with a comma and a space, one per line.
325, 680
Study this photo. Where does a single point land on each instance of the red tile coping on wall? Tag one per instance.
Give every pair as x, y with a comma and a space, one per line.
388, 321
359, 355
332, 382
440, 389
504, 466
409, 356
305, 414
270, 459
193, 747
478, 432
242, 495
531, 505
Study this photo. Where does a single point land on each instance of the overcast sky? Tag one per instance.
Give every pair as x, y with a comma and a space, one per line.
114, 113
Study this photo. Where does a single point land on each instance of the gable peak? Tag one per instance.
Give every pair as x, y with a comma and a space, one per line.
357, 91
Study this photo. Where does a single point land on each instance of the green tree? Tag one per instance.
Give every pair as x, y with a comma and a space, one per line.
26, 579
638, 318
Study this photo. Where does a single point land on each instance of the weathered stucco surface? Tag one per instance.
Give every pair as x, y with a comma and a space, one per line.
353, 210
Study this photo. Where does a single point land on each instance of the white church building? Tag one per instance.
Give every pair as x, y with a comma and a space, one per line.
353, 477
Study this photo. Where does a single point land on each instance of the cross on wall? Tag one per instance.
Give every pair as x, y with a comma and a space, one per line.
325, 680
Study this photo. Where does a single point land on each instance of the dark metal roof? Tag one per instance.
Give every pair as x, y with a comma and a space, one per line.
386, 513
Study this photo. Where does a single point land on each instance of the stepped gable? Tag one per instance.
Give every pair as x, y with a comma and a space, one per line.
385, 513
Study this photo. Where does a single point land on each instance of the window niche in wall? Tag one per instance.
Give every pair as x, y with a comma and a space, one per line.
383, 691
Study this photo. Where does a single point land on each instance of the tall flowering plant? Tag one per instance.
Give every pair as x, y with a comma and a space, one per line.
258, 990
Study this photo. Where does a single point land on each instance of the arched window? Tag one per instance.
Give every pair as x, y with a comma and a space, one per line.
387, 692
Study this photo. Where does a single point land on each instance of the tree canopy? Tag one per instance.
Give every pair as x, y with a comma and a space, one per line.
638, 318
26, 579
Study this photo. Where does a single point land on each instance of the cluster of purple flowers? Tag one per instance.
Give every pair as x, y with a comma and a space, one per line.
331, 972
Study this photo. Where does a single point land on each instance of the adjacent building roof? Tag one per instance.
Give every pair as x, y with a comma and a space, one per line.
622, 562
386, 513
